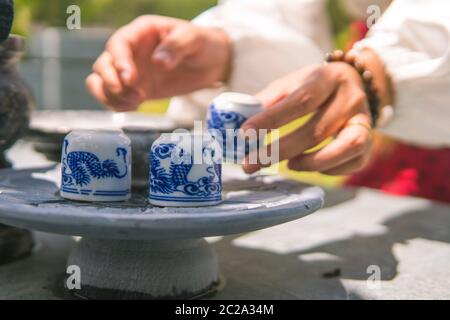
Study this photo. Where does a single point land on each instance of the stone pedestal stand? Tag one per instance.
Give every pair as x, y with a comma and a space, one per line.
145, 269
134, 250
14, 244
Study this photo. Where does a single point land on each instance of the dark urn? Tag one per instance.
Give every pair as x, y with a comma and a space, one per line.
15, 97
15, 105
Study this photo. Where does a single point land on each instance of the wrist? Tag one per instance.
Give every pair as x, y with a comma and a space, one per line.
381, 79
375, 80
221, 47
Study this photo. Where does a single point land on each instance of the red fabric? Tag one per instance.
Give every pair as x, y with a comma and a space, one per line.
409, 171
357, 31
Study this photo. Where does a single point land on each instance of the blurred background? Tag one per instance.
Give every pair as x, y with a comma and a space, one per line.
58, 60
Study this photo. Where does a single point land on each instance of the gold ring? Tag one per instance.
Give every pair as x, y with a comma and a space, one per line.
359, 123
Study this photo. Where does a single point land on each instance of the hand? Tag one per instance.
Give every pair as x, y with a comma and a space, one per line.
334, 93
155, 57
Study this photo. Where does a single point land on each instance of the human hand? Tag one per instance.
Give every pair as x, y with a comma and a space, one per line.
155, 57
334, 92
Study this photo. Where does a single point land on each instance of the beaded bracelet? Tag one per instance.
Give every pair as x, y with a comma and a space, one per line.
367, 79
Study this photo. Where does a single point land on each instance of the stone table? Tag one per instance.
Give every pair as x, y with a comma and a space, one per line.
405, 242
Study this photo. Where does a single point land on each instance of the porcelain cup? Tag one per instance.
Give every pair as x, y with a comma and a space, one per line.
96, 166
185, 171
226, 115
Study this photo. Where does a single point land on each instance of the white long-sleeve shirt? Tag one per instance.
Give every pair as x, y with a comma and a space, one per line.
274, 37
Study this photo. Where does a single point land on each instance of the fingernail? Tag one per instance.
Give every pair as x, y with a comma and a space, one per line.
250, 168
126, 76
163, 56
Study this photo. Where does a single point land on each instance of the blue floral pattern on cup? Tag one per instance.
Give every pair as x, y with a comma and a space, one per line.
172, 176
219, 121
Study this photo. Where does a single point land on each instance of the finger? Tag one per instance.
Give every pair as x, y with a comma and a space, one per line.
351, 142
282, 88
106, 70
180, 43
113, 84
349, 167
273, 94
120, 46
289, 146
310, 94
96, 86
111, 80
325, 123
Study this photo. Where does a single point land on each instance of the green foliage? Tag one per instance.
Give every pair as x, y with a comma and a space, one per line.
111, 13
339, 21
114, 13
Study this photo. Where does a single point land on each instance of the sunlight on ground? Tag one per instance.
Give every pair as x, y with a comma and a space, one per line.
160, 106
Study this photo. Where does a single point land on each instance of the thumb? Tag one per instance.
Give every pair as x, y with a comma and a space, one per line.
180, 43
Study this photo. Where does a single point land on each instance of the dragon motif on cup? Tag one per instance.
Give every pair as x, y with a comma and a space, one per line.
175, 177
80, 167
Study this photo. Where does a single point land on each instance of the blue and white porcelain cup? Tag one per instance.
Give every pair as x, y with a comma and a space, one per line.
185, 171
226, 115
96, 166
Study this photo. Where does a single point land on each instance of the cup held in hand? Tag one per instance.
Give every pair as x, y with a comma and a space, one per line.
226, 115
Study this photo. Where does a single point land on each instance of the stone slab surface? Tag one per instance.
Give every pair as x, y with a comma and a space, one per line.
323, 256
30, 199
